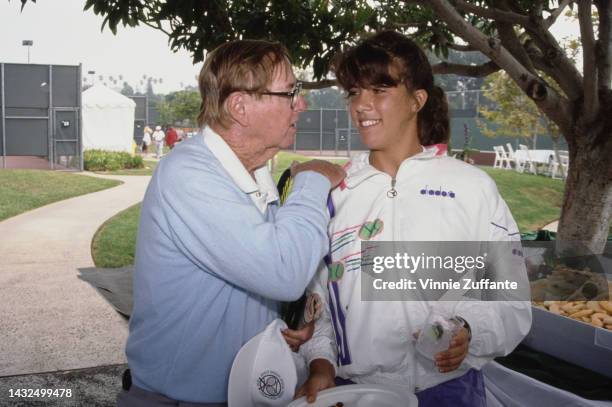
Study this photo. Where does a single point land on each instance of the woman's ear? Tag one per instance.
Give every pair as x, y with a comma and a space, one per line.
420, 97
236, 105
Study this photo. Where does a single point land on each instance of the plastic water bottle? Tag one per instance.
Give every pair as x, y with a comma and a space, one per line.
436, 335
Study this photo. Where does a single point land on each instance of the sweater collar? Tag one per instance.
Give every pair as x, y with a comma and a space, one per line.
263, 184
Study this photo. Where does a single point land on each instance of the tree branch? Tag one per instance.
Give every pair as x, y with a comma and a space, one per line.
566, 74
477, 71
157, 26
460, 47
509, 40
554, 14
492, 13
589, 67
546, 98
537, 8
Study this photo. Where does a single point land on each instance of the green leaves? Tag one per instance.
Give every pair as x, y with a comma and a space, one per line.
180, 107
514, 113
314, 31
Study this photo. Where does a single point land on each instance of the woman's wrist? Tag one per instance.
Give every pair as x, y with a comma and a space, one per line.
462, 322
322, 367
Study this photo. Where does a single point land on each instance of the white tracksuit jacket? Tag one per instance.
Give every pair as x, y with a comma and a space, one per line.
437, 198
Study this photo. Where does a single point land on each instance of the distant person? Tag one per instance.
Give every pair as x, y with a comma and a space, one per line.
215, 253
158, 138
146, 139
171, 137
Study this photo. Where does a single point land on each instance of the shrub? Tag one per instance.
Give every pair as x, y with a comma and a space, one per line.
137, 162
100, 160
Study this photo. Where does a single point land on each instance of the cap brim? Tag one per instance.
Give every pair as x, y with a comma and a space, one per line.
360, 395
238, 391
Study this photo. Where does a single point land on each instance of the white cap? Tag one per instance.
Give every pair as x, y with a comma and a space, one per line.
264, 372
157, 127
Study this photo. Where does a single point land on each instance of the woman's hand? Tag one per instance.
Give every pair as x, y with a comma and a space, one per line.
322, 375
297, 337
451, 359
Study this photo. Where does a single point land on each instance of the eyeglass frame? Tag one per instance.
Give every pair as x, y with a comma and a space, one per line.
294, 94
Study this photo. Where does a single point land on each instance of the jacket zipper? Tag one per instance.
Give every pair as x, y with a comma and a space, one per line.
392, 193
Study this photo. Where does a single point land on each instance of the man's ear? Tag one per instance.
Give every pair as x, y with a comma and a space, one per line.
420, 96
236, 104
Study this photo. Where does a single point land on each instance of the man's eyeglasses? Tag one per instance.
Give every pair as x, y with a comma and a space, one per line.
294, 94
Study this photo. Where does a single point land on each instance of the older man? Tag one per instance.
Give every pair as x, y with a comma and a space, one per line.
215, 253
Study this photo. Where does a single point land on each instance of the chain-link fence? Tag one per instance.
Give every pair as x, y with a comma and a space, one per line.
330, 132
40, 116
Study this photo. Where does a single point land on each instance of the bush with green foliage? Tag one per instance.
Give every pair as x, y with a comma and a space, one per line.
101, 160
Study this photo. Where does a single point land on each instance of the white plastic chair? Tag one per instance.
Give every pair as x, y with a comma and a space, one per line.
499, 157
560, 168
511, 157
527, 161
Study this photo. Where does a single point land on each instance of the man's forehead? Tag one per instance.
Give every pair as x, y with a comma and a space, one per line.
283, 74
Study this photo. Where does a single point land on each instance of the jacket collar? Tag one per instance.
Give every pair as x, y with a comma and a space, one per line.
359, 168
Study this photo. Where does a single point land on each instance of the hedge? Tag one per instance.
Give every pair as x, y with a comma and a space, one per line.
101, 160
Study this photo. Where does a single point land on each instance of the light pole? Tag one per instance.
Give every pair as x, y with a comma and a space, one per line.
27, 43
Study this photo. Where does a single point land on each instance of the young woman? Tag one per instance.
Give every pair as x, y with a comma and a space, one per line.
406, 188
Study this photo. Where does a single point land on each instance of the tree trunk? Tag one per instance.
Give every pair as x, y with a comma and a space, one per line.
587, 202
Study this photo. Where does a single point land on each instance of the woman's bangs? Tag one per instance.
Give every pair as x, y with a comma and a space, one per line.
366, 66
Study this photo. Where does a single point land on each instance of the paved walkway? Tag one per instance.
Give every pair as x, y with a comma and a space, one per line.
50, 319
552, 226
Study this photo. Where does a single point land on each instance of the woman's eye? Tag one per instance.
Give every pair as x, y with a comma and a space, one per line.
378, 90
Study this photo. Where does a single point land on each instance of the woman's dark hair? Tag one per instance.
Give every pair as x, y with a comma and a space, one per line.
388, 59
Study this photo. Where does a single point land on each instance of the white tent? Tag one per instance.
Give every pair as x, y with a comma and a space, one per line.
108, 120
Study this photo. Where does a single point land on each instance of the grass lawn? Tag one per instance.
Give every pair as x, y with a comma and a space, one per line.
284, 159
23, 190
114, 244
282, 162
533, 200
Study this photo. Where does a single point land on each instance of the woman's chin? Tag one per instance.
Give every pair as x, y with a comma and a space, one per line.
371, 142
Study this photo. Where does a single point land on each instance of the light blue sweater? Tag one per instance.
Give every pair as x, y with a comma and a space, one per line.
210, 269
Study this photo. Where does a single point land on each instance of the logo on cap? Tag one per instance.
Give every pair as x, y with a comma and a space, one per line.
270, 385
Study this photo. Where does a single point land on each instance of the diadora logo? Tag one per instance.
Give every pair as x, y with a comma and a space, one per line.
270, 385
427, 191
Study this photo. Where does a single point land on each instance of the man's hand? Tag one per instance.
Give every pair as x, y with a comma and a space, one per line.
334, 173
297, 337
451, 359
321, 377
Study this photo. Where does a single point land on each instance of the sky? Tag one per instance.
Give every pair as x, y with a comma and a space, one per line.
64, 34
